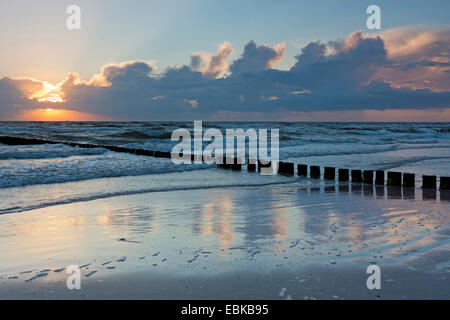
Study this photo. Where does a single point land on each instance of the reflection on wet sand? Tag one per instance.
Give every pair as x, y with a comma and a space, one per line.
216, 218
138, 219
380, 192
297, 223
428, 194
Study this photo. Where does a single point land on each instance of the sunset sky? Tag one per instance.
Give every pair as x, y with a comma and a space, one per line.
225, 60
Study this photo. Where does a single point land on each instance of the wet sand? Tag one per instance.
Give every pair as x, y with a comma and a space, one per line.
303, 240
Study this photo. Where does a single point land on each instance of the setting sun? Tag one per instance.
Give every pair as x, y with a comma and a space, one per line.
51, 97
51, 114
48, 93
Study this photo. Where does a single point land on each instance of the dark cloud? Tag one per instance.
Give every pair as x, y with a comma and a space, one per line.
340, 75
257, 58
351, 63
16, 96
136, 71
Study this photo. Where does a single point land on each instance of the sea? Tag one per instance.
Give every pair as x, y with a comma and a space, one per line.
35, 176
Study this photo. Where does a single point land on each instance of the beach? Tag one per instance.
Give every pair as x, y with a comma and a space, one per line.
140, 227
293, 239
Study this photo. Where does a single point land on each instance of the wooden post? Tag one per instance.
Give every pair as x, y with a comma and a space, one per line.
302, 170
281, 167
444, 183
251, 166
394, 179
289, 168
329, 173
343, 175
368, 176
429, 182
357, 176
314, 171
236, 165
409, 180
379, 179
286, 168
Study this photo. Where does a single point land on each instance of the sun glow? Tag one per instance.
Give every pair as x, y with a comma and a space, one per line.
48, 93
52, 97
52, 114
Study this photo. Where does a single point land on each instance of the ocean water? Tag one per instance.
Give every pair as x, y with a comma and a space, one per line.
41, 175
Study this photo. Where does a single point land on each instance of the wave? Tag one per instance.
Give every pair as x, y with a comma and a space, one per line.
166, 135
412, 160
140, 191
285, 137
43, 178
140, 135
292, 152
27, 165
405, 130
133, 134
46, 151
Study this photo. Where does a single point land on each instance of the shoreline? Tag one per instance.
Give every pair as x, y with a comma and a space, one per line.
253, 238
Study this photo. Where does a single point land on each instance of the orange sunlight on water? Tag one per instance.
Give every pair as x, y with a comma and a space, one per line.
51, 114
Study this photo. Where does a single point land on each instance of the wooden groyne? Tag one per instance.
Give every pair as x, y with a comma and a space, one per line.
394, 179
15, 141
366, 177
438, 130
363, 129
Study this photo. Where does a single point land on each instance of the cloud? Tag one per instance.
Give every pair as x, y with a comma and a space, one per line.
17, 95
116, 72
349, 63
362, 72
420, 58
213, 66
257, 58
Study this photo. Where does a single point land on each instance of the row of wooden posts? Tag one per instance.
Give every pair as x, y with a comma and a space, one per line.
363, 129
442, 130
395, 179
31, 141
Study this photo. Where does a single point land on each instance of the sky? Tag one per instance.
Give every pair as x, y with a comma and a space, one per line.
225, 60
